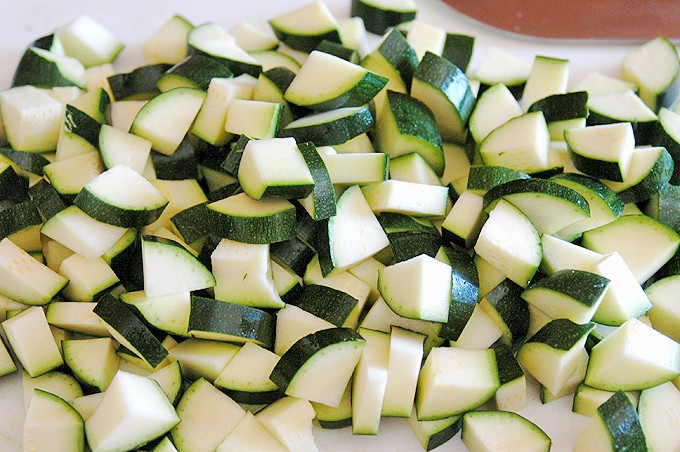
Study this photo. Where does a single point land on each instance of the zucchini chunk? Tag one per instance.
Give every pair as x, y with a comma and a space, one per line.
445, 89
89, 41
657, 408
249, 433
509, 241
306, 27
289, 420
369, 383
168, 44
303, 370
606, 430
122, 197
381, 15
603, 151
29, 336
633, 357
664, 314
31, 119
455, 380
51, 423
206, 413
24, 279
487, 430
326, 82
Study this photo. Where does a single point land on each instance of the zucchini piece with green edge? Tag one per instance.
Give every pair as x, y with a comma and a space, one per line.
24, 279
181, 165
250, 433
195, 71
7, 365
305, 27
95, 103
482, 178
445, 89
242, 218
603, 151
622, 236
510, 242
548, 205
408, 244
232, 160
118, 147
192, 223
338, 50
352, 235
569, 293
332, 127
552, 354
320, 203
405, 358
487, 430
663, 315
443, 385
369, 382
326, 82
52, 423
255, 118
654, 68
243, 274
19, 219
381, 15
464, 291
327, 303
122, 197
651, 168
93, 361
587, 399
89, 279
521, 143
406, 125
135, 405
206, 413
23, 162
302, 370
433, 434
30, 338
603, 203
225, 321
666, 133
409, 198
46, 69
512, 392
624, 298
418, 288
458, 49
20, 108
169, 378
211, 40
413, 168
616, 425
75, 317
656, 409
170, 268
623, 361
548, 76
395, 59
129, 330
169, 313
563, 111
464, 221
246, 377
623, 106
166, 119
508, 311
202, 358
274, 167
335, 417
138, 84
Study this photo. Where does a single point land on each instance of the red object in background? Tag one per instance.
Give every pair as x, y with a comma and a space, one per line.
578, 19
